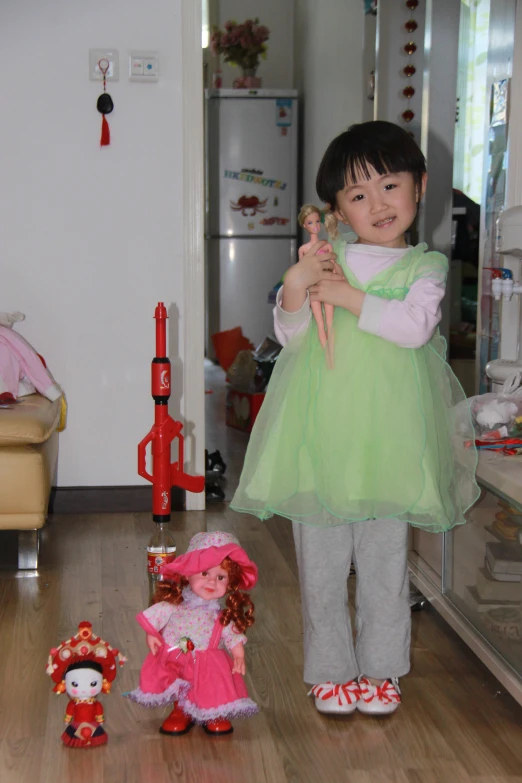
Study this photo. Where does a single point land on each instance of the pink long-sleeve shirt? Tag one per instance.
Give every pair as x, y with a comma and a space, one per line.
410, 323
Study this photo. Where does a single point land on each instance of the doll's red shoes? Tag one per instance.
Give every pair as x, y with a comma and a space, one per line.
177, 723
217, 728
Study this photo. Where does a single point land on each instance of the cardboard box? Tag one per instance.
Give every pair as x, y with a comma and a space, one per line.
504, 559
491, 589
242, 408
481, 605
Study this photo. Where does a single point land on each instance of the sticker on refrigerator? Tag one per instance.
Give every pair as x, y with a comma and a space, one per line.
283, 112
248, 205
248, 175
274, 221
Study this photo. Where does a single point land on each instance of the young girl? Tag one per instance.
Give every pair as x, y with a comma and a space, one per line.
354, 454
188, 635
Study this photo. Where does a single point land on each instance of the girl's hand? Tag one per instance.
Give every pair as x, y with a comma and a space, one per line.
153, 643
339, 294
238, 655
313, 268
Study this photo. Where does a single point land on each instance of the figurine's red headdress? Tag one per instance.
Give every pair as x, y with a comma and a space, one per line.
83, 646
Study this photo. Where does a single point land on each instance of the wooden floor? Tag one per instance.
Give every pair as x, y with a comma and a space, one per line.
455, 725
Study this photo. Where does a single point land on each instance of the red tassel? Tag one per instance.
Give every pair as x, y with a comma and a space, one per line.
105, 133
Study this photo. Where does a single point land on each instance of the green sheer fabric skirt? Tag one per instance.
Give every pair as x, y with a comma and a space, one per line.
373, 437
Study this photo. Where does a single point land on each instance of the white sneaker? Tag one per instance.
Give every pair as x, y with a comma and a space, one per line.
379, 699
336, 699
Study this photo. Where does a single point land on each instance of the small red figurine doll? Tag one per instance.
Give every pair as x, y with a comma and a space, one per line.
84, 666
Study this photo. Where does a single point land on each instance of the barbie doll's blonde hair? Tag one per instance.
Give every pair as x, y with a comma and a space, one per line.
328, 218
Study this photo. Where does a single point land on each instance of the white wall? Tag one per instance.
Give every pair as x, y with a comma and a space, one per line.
328, 74
276, 71
92, 239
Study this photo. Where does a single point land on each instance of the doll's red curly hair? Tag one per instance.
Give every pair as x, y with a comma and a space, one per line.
239, 608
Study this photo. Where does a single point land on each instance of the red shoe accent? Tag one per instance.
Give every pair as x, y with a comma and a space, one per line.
387, 693
177, 723
218, 727
346, 694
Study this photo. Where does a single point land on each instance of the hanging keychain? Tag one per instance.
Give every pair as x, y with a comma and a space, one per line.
105, 104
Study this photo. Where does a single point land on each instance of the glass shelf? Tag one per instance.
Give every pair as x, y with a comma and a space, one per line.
483, 573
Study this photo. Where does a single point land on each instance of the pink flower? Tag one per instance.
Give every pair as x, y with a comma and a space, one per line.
240, 43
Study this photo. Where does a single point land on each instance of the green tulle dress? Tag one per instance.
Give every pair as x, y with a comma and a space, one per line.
374, 436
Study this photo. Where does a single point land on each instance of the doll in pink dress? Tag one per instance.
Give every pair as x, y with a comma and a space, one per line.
197, 658
310, 219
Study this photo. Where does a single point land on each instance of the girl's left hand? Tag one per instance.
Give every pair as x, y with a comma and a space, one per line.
338, 293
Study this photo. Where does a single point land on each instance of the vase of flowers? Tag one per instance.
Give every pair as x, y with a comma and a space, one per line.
242, 45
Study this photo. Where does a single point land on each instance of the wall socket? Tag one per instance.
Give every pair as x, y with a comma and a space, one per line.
112, 57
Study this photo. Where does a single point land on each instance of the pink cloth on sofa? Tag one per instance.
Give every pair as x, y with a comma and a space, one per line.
20, 362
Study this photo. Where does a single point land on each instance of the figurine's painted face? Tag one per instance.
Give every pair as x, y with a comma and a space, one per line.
210, 584
83, 683
312, 223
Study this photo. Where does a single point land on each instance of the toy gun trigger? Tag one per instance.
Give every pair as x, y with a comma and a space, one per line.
190, 483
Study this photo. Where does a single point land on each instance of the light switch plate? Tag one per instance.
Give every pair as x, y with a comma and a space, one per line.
150, 61
112, 57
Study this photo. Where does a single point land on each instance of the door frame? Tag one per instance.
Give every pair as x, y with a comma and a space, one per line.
193, 245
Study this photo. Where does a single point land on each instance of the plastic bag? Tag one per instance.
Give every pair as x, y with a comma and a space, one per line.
493, 415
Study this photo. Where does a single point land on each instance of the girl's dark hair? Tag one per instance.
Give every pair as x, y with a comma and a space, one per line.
384, 146
86, 665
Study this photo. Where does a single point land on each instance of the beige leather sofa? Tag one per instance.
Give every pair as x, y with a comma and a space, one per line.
28, 456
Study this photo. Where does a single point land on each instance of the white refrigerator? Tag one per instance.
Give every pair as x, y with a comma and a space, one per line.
251, 205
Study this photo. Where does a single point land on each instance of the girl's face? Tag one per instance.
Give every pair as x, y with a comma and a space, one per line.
313, 223
83, 683
210, 584
380, 209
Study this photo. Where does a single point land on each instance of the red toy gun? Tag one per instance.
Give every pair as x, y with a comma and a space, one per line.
164, 474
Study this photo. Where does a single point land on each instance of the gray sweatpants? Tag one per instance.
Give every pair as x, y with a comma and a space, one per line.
383, 618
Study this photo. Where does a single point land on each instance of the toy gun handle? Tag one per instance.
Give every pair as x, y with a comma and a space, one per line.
142, 456
183, 480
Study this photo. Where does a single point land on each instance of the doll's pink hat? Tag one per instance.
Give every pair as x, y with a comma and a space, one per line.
207, 550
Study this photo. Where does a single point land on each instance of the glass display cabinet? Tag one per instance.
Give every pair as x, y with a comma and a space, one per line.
473, 574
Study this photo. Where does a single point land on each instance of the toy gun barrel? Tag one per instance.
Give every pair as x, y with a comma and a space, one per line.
160, 371
164, 430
